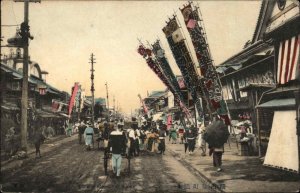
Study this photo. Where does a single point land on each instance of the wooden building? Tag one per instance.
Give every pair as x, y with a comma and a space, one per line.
261, 83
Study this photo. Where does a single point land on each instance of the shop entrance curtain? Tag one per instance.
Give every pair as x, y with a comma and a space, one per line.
282, 149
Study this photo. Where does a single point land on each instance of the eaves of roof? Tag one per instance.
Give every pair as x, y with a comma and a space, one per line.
247, 52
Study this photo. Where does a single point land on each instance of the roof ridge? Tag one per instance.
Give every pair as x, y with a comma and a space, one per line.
258, 19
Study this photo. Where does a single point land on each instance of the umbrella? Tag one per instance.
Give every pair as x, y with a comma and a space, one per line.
216, 134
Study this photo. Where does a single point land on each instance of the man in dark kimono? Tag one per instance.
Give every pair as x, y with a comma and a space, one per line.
190, 137
38, 139
162, 135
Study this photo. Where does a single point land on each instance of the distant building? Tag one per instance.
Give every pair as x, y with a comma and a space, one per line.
157, 100
41, 97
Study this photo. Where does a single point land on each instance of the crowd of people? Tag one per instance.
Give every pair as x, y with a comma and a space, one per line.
130, 141
117, 140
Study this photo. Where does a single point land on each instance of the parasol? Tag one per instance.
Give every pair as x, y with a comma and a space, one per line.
216, 134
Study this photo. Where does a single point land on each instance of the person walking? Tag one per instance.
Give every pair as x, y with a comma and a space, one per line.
173, 133
88, 135
151, 137
105, 134
133, 137
201, 141
81, 130
69, 129
38, 139
217, 153
142, 138
180, 132
117, 143
190, 137
162, 135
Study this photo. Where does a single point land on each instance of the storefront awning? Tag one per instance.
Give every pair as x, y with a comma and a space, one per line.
254, 86
241, 105
277, 103
9, 107
45, 114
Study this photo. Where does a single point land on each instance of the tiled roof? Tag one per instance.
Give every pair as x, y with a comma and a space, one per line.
32, 79
259, 19
156, 94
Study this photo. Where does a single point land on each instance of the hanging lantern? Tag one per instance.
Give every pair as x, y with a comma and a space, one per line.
42, 89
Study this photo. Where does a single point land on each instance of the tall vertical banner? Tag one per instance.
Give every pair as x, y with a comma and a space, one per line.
153, 64
147, 54
72, 99
77, 99
169, 121
165, 66
143, 103
183, 60
211, 80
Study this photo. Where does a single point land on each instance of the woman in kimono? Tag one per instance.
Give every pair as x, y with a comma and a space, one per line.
69, 128
173, 133
88, 136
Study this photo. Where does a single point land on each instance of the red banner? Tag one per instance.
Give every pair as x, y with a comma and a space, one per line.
143, 103
71, 104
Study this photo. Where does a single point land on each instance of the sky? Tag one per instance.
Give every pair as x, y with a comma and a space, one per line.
67, 32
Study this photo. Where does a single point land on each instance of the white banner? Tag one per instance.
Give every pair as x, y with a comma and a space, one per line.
283, 144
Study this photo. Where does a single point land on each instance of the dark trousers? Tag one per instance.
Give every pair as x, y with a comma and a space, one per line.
134, 147
162, 146
217, 159
150, 143
191, 144
137, 146
80, 138
37, 149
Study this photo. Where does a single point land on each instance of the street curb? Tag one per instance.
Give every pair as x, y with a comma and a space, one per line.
32, 150
28, 159
196, 172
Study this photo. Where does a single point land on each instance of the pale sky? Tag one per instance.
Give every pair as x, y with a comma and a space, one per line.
67, 32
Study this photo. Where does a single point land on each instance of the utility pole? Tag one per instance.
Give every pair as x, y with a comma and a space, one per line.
114, 106
24, 101
92, 86
79, 104
107, 98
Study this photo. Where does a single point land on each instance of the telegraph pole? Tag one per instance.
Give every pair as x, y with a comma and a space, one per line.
79, 106
107, 98
114, 107
24, 101
92, 86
